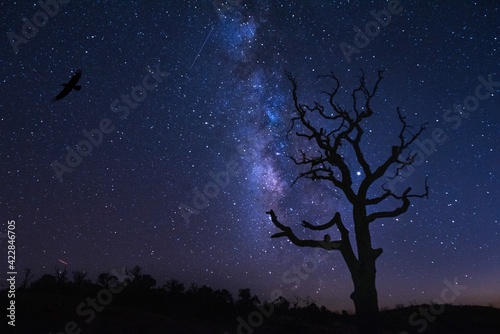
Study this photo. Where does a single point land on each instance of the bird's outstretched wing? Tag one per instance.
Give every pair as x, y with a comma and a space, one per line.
74, 79
62, 94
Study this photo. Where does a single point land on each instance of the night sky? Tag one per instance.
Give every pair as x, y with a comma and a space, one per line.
214, 119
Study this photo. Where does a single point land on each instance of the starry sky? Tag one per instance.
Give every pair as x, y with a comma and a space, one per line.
183, 172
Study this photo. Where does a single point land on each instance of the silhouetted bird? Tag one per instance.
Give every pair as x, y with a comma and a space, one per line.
68, 87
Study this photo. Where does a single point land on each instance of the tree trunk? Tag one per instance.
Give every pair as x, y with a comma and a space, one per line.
365, 291
366, 300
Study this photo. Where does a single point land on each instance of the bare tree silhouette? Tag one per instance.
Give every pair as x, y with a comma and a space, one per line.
79, 276
27, 278
332, 165
61, 275
296, 301
106, 280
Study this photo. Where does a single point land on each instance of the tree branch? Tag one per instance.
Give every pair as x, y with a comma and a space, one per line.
343, 245
287, 231
394, 156
332, 222
402, 208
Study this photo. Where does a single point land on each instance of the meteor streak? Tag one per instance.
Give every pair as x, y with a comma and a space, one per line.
205, 42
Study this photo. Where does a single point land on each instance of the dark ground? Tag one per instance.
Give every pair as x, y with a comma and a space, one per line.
52, 304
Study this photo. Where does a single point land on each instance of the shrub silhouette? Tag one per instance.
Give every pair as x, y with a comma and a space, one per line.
51, 301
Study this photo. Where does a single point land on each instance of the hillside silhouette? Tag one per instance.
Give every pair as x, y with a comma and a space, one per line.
132, 302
